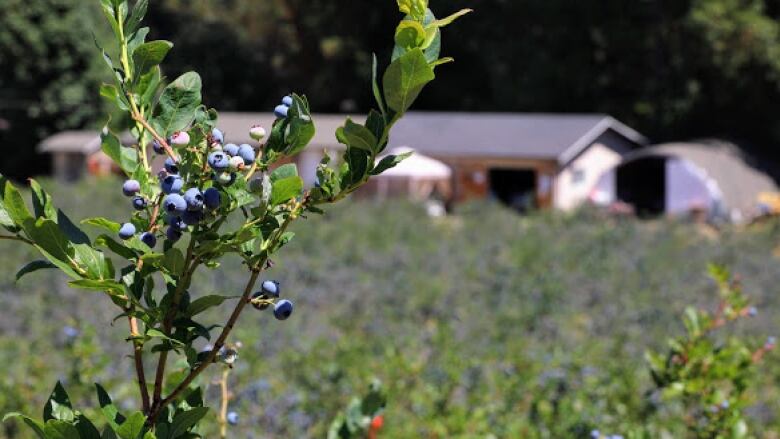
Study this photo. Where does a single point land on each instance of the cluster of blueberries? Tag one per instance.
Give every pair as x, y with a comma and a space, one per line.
595, 434
268, 290
282, 109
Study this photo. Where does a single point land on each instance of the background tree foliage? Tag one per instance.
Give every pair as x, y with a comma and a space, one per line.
672, 69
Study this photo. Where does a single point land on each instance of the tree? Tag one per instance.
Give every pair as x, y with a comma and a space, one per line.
49, 78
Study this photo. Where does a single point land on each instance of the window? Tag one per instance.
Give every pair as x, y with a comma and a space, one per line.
577, 176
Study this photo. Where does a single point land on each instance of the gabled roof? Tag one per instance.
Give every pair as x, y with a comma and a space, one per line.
559, 137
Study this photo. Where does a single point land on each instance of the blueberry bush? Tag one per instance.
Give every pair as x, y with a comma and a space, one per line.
212, 199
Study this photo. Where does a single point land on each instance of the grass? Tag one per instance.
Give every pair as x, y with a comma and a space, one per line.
483, 324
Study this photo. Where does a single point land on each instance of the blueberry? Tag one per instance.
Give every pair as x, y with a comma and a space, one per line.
725, 404
216, 147
287, 101
194, 199
257, 132
225, 178
217, 136
753, 311
595, 434
158, 149
281, 111
771, 341
191, 217
283, 309
230, 149
149, 239
127, 231
227, 355
218, 161
139, 203
180, 138
172, 184
131, 187
70, 332
247, 153
173, 234
236, 163
271, 288
176, 222
174, 204
232, 418
212, 198
171, 166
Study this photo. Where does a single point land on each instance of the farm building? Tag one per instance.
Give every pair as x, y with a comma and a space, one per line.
714, 178
524, 160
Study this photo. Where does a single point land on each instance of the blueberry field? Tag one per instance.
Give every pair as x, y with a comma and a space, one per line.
483, 324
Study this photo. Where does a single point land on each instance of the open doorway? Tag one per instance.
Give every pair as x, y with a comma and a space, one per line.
642, 184
514, 187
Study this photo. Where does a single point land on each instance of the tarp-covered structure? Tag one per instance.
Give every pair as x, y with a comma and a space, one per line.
679, 178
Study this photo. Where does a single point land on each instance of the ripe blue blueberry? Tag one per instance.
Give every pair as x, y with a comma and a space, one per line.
175, 221
247, 153
131, 187
283, 309
217, 136
172, 184
212, 198
753, 311
287, 101
595, 434
227, 355
771, 342
232, 418
180, 138
171, 166
126, 231
149, 239
158, 149
194, 199
173, 234
281, 111
271, 288
257, 132
191, 217
218, 161
230, 149
139, 203
174, 204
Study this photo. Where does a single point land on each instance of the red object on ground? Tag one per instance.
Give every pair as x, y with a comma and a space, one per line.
376, 425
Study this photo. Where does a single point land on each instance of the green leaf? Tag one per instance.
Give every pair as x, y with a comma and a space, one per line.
135, 41
48, 235
109, 286
301, 127
405, 79
103, 223
409, 34
358, 136
133, 426
203, 303
415, 8
114, 246
183, 421
36, 426
56, 429
449, 19
149, 55
125, 158
173, 261
284, 171
389, 161
74, 234
286, 189
358, 163
58, 405
148, 85
178, 103
108, 11
377, 126
108, 433
108, 408
32, 267
375, 85
42, 206
111, 93
86, 428
95, 262
139, 11
15, 207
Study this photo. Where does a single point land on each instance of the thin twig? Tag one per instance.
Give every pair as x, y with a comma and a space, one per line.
138, 352
223, 385
16, 238
168, 150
